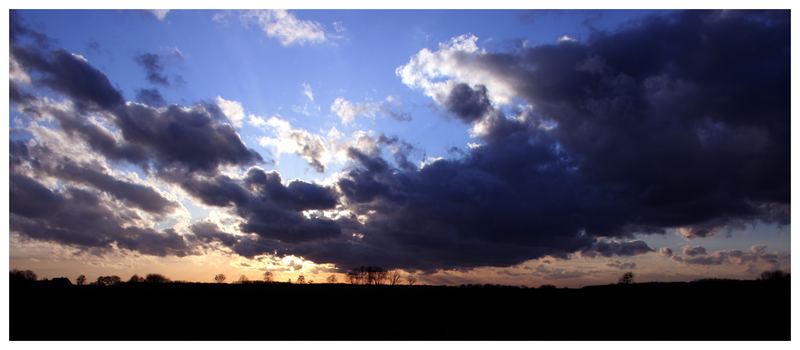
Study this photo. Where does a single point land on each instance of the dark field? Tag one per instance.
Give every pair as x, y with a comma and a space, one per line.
707, 310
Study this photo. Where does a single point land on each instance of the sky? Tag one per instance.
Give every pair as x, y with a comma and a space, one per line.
471, 146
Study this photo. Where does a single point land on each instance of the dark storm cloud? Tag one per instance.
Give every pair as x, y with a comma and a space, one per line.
468, 104
175, 143
210, 232
150, 97
694, 250
694, 126
75, 123
270, 209
192, 138
678, 120
81, 218
154, 67
60, 70
141, 196
611, 248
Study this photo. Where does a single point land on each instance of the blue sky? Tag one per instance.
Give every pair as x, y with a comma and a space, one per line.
302, 88
238, 62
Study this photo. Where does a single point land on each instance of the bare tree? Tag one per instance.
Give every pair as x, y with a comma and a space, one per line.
368, 275
331, 279
627, 278
243, 279
394, 277
411, 280
301, 279
219, 278
81, 280
268, 276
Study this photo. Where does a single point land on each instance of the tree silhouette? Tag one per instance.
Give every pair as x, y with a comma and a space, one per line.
301, 279
156, 278
81, 280
268, 276
136, 279
775, 275
394, 277
411, 280
243, 279
331, 279
106, 281
22, 276
219, 278
627, 278
368, 275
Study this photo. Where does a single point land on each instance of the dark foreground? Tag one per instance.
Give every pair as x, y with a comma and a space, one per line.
712, 310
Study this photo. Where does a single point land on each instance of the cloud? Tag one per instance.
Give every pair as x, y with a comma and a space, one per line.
692, 132
457, 61
347, 111
271, 210
43, 160
616, 264
286, 27
150, 97
468, 104
232, 110
154, 68
68, 74
693, 250
756, 259
610, 146
159, 14
609, 248
81, 218
566, 38
312, 148
308, 92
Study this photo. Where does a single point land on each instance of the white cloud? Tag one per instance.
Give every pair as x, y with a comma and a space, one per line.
310, 147
160, 14
456, 61
16, 73
232, 109
308, 91
348, 111
566, 38
257, 121
319, 150
287, 28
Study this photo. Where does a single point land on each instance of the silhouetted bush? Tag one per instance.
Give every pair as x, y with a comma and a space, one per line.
156, 278
106, 281
22, 276
775, 275
136, 279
